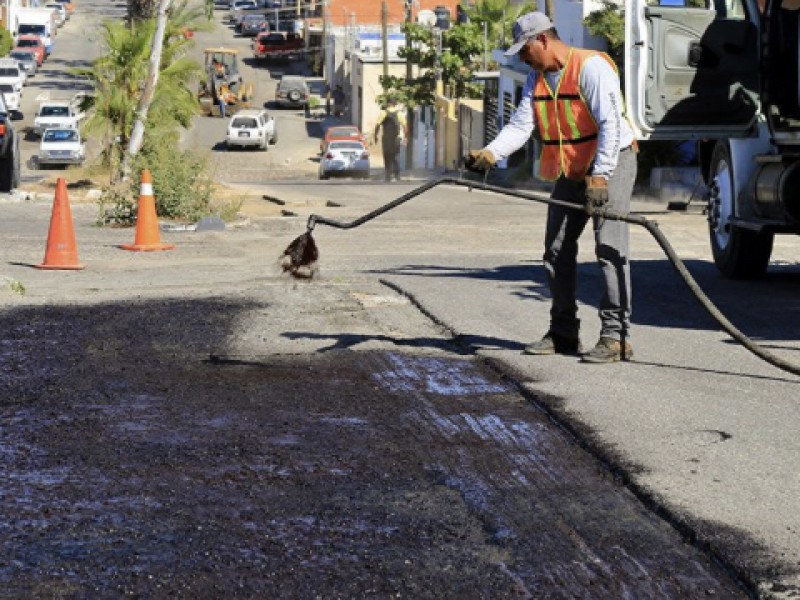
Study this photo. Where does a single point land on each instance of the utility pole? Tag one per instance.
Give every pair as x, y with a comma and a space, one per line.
385, 37
409, 110
326, 57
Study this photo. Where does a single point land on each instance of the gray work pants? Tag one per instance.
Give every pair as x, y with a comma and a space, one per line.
564, 227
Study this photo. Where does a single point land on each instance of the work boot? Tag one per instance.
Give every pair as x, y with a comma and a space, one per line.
553, 343
608, 350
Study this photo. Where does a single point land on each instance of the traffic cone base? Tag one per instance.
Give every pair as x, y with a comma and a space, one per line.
61, 252
147, 237
147, 247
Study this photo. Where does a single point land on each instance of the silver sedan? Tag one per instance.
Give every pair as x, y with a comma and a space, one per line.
346, 158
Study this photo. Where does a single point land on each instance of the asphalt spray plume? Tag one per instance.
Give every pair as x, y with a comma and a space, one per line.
300, 257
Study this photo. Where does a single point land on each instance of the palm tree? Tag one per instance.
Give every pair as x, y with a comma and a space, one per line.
118, 78
499, 17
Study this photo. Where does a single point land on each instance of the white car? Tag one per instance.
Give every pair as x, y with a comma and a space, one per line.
61, 146
11, 97
60, 10
12, 73
344, 157
251, 129
58, 114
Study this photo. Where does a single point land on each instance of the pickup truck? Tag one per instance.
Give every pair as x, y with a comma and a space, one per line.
278, 45
61, 146
9, 152
58, 114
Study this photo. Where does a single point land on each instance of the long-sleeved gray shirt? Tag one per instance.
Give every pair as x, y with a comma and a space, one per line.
600, 88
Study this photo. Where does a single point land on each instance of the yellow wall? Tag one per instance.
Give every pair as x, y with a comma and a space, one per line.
447, 129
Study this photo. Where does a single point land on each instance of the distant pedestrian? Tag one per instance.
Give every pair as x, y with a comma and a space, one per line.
392, 125
221, 100
338, 101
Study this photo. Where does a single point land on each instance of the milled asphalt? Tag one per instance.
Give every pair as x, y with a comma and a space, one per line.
702, 430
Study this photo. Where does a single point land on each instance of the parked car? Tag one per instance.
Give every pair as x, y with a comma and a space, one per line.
61, 146
240, 7
61, 12
274, 45
33, 43
11, 72
292, 91
342, 132
58, 114
11, 97
9, 151
27, 61
251, 129
345, 157
70, 6
251, 25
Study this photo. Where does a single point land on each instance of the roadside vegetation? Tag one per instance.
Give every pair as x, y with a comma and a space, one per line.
6, 42
453, 55
181, 182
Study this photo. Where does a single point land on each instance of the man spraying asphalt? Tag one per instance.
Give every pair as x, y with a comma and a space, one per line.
572, 101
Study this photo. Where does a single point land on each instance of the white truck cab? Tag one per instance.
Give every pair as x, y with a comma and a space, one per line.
725, 73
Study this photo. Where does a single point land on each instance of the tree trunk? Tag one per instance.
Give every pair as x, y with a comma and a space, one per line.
550, 9
137, 135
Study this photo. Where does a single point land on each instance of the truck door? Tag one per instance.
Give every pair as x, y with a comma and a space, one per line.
692, 68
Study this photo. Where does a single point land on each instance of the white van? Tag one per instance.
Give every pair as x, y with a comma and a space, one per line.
39, 21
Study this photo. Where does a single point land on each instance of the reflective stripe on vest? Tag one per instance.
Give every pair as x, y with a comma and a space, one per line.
565, 124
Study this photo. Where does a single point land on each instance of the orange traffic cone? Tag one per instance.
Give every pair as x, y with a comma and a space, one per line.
61, 251
147, 235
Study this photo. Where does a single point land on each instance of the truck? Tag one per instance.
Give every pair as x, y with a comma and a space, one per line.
9, 151
41, 21
725, 73
58, 114
278, 45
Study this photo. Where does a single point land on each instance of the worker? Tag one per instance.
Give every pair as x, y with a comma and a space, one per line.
392, 124
225, 97
338, 101
572, 99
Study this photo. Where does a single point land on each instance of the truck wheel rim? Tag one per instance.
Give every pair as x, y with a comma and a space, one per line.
721, 204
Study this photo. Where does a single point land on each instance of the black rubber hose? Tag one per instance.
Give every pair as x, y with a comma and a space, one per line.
650, 226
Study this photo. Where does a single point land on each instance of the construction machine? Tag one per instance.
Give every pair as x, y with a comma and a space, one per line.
223, 81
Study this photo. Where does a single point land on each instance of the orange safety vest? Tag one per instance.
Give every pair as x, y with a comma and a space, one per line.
566, 126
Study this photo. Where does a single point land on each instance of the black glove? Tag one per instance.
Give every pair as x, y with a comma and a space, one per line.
480, 160
596, 193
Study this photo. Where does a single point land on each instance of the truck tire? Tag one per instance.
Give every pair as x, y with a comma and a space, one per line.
738, 253
9, 167
294, 96
274, 139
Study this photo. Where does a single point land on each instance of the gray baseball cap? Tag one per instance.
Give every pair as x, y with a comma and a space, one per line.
527, 26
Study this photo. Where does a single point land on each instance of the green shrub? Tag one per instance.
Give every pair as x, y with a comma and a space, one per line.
180, 185
6, 42
117, 205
